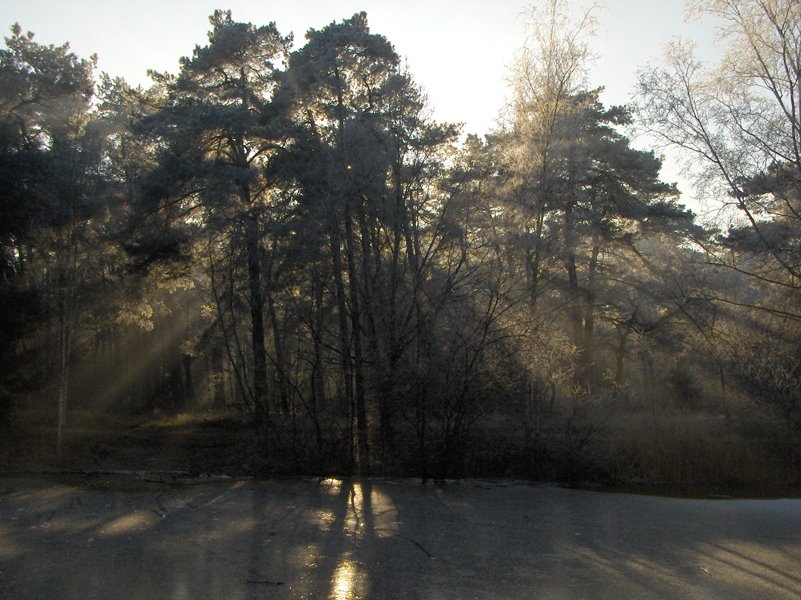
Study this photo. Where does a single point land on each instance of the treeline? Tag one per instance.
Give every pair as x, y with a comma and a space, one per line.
285, 233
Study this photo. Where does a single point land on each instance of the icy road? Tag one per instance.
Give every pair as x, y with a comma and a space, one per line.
136, 537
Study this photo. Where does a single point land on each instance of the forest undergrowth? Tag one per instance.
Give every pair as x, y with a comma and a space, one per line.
674, 453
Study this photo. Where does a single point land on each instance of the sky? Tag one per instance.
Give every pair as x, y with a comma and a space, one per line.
459, 51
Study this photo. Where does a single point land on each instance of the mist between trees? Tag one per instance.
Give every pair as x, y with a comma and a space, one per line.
278, 245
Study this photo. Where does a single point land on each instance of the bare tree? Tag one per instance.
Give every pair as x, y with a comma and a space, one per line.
740, 122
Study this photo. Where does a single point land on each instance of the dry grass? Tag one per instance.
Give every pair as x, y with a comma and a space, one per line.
693, 448
189, 419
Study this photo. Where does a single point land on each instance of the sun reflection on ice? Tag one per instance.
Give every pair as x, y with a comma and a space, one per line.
345, 579
332, 484
363, 512
356, 516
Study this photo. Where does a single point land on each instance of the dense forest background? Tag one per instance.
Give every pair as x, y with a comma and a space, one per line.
279, 244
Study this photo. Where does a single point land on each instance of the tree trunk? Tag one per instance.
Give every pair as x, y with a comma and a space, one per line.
188, 385
360, 407
620, 353
280, 357
572, 275
423, 349
575, 306
65, 340
371, 288
533, 257
588, 337
258, 349
218, 377
66, 324
318, 373
342, 313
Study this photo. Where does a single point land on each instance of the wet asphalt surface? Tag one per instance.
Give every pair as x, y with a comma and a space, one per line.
139, 537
